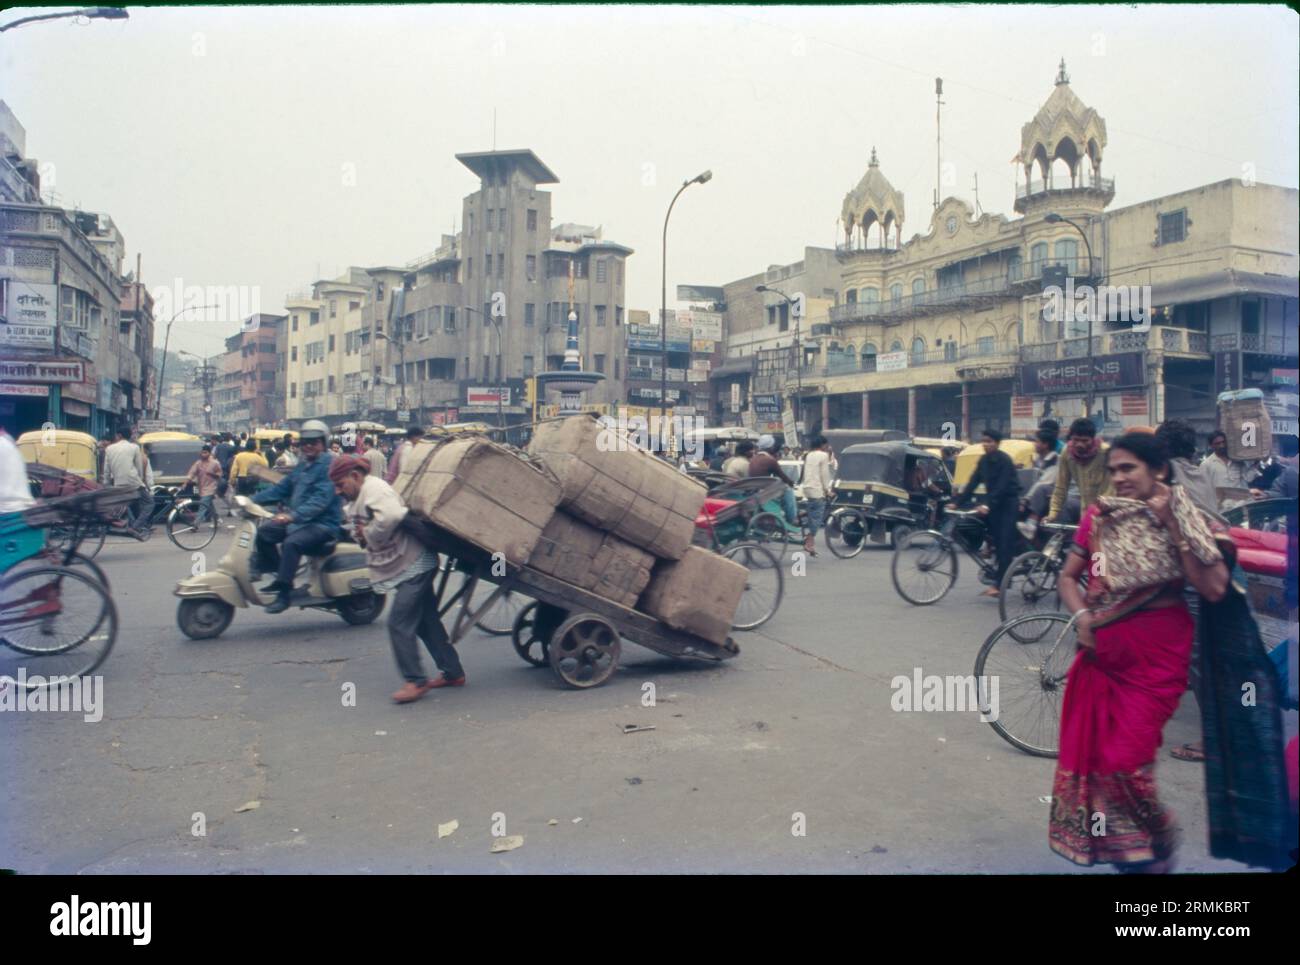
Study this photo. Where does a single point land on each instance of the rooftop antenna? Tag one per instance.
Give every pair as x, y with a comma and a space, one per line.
978, 213
938, 140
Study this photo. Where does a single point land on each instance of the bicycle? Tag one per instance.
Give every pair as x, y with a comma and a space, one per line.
191, 525
1030, 582
50, 610
723, 526
924, 566
1032, 656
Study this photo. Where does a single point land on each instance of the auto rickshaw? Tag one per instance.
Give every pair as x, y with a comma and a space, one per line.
1021, 452
894, 484
72, 452
171, 454
267, 438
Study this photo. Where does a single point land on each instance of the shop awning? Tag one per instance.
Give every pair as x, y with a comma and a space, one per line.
738, 366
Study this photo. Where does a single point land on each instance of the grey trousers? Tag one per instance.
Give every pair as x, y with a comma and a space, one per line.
414, 614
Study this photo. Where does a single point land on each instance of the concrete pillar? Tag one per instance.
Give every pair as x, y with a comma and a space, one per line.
826, 412
1157, 402
866, 410
911, 410
965, 411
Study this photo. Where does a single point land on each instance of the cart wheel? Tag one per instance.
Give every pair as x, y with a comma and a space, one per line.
768, 529
764, 586
584, 650
528, 644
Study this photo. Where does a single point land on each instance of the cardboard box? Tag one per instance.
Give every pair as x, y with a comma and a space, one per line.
481, 492
615, 486
601, 563
698, 593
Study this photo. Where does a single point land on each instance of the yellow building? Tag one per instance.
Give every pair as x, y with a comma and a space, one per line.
966, 325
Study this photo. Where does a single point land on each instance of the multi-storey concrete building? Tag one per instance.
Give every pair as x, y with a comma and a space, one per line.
957, 328
433, 340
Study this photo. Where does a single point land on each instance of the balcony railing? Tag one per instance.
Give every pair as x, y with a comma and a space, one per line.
1015, 275
1263, 344
845, 364
1098, 185
1168, 338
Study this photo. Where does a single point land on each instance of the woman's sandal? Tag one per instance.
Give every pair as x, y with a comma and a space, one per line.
1187, 752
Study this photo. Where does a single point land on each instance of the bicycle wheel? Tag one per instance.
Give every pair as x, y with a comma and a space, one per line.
55, 622
924, 567
846, 533
187, 528
768, 529
1022, 685
84, 536
1028, 586
764, 587
500, 619
78, 560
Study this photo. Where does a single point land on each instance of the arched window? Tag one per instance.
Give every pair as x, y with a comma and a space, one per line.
868, 357
1037, 259
1067, 254
870, 296
1014, 268
918, 350
986, 340
896, 293
851, 297
896, 346
918, 290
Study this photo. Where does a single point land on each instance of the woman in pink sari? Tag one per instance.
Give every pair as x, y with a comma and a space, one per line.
1137, 547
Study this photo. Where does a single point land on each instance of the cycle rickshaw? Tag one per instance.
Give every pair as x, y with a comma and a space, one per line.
883, 490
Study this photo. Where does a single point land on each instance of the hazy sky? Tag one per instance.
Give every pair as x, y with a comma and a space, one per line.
217, 138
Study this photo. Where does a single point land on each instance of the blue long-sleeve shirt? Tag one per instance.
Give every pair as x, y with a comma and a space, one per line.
310, 495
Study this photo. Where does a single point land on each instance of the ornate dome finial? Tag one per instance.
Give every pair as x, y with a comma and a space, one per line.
874, 163
1062, 77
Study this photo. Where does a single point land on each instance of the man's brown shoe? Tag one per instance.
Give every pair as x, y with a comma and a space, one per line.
444, 681
410, 692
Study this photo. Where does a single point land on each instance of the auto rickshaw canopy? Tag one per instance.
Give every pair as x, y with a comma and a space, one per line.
149, 438
886, 464
1021, 452
66, 449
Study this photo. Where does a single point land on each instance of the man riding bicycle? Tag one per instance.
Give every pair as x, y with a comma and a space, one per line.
765, 463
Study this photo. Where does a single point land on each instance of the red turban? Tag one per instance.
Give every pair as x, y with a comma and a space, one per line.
340, 466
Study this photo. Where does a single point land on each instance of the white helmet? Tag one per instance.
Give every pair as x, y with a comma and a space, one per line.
766, 443
313, 430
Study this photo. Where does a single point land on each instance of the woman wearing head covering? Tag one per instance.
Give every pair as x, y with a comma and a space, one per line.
1138, 547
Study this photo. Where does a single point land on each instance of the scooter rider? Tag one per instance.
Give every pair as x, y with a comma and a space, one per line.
315, 515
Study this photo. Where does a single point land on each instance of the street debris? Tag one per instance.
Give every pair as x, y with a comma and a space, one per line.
553, 822
250, 806
508, 843
636, 728
632, 780
445, 830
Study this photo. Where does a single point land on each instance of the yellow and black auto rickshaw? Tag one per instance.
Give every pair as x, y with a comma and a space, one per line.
71, 452
893, 484
171, 454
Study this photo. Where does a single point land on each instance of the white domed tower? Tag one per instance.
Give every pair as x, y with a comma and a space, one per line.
1067, 130
873, 202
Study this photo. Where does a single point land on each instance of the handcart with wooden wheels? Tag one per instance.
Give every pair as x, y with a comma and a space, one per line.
576, 633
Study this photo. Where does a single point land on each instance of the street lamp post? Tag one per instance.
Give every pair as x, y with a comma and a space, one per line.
162, 371
1055, 218
663, 293
401, 365
90, 13
796, 309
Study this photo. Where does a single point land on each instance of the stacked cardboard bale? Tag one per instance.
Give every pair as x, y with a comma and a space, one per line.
644, 509
482, 492
612, 568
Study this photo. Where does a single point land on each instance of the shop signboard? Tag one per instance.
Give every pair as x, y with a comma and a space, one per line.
28, 391
53, 370
28, 336
1109, 372
28, 304
891, 361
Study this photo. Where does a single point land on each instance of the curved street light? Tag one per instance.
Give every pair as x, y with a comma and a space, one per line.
90, 13
1055, 218
701, 178
162, 371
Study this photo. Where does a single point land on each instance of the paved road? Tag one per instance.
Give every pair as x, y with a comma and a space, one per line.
799, 722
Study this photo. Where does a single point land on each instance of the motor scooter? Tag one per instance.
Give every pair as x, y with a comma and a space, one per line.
336, 579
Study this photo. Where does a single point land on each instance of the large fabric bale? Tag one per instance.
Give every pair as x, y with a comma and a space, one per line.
698, 593
601, 563
481, 492
611, 484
